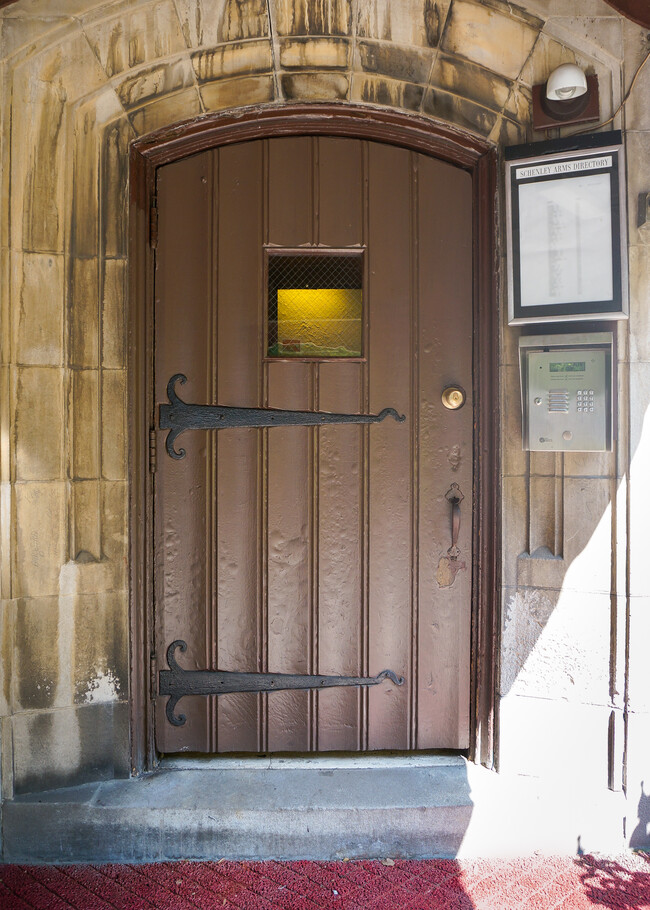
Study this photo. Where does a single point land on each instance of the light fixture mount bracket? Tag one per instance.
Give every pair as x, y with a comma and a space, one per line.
549, 114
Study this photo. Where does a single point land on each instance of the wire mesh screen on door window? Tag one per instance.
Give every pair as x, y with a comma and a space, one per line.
315, 306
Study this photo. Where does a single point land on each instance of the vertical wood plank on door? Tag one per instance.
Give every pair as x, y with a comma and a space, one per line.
445, 449
340, 468
340, 516
390, 556
182, 287
289, 548
289, 482
290, 190
239, 288
340, 195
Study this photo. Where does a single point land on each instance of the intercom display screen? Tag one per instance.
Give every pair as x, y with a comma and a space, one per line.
568, 366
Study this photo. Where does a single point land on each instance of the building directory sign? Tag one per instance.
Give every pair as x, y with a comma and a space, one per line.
566, 230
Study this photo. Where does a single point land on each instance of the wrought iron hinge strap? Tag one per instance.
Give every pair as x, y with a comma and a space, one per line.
177, 682
178, 416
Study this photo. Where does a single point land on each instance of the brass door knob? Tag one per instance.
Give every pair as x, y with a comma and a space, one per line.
453, 397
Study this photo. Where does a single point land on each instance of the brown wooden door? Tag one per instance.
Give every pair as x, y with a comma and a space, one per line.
316, 550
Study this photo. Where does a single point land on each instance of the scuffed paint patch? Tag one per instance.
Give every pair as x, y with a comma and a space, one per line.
105, 687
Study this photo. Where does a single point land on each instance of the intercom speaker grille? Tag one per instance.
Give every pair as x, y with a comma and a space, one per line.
558, 400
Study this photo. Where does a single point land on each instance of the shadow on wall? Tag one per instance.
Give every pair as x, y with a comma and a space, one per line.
640, 839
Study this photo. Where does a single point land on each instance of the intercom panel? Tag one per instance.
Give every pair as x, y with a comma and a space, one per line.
567, 393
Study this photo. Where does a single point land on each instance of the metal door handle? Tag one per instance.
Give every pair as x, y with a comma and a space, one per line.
455, 497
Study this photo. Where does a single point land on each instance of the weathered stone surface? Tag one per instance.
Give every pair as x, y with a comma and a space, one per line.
554, 739
314, 53
155, 81
514, 460
7, 627
85, 434
17, 31
391, 92
639, 677
99, 659
543, 531
639, 271
514, 532
586, 8
638, 158
519, 104
301, 17
85, 520
639, 478
499, 41
113, 314
37, 311
460, 111
39, 421
404, 64
229, 60
471, 81
84, 227
588, 534
86, 743
114, 529
135, 36
6, 309
114, 173
36, 658
221, 95
38, 154
556, 645
590, 464
40, 537
206, 23
84, 313
169, 109
414, 22
547, 55
507, 132
314, 86
113, 410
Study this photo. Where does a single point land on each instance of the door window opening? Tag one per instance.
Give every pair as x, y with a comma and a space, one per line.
315, 305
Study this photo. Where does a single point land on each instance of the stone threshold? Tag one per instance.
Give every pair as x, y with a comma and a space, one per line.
321, 808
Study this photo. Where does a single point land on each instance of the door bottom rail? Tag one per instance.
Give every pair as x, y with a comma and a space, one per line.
177, 682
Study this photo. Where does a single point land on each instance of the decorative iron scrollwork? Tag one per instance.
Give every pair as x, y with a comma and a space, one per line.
178, 416
177, 682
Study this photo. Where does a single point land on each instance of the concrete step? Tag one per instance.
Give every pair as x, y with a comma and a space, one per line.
324, 808
285, 809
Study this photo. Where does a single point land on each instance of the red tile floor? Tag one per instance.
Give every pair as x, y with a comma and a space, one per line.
537, 883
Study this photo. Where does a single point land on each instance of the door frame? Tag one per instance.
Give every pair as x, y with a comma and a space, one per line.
417, 133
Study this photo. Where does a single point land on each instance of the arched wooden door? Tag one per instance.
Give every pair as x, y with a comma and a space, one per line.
316, 550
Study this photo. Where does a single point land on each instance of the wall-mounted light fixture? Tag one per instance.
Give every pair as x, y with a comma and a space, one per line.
566, 82
569, 96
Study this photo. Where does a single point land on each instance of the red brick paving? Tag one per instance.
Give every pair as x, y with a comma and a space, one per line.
537, 883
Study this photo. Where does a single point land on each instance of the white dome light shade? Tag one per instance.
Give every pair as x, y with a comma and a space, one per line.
566, 82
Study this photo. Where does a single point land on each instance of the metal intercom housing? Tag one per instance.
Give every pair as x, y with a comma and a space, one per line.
567, 392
